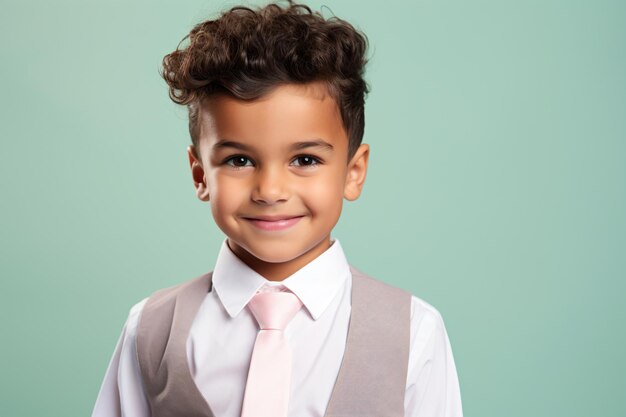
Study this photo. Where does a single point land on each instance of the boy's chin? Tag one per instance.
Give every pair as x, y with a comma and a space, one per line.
270, 252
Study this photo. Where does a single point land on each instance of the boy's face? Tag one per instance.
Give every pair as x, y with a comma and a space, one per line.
284, 155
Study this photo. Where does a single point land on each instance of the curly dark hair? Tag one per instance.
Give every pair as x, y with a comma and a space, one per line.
246, 53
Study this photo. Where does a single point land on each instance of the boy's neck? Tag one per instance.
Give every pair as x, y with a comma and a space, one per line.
279, 271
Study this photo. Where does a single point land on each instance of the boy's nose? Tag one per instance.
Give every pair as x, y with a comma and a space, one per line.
270, 187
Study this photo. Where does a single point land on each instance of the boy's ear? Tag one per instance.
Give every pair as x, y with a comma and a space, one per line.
357, 170
197, 173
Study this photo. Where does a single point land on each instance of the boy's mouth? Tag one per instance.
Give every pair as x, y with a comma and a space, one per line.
271, 223
273, 218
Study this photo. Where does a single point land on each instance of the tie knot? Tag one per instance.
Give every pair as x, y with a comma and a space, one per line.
274, 310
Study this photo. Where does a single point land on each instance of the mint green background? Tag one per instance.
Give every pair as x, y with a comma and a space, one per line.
496, 190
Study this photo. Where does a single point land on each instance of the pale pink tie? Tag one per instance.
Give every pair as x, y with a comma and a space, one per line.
269, 377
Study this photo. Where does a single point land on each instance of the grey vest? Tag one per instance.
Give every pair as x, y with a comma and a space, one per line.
372, 376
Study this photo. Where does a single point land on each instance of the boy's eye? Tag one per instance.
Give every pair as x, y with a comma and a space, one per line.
307, 160
238, 161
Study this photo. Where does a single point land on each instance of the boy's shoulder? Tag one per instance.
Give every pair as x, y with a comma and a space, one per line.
420, 308
375, 282
166, 294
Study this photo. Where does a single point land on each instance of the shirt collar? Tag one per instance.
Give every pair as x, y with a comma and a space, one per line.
315, 284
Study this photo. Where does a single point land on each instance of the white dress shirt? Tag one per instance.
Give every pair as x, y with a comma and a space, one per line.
222, 336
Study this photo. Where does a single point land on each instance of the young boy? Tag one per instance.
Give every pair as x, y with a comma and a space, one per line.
283, 325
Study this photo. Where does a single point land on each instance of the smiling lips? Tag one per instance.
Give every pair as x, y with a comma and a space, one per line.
272, 223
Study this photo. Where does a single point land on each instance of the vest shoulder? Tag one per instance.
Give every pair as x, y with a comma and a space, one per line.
418, 304
171, 292
376, 282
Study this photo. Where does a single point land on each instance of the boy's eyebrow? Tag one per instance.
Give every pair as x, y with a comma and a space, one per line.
315, 143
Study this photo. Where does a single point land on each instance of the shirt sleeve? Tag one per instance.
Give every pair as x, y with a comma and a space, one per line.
432, 388
121, 392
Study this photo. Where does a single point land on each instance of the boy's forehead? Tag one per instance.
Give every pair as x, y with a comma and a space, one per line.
288, 111
283, 102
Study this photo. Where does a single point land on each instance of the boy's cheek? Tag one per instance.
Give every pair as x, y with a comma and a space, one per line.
227, 200
325, 192
325, 200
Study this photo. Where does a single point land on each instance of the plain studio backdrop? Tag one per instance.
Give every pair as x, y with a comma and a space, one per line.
496, 190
